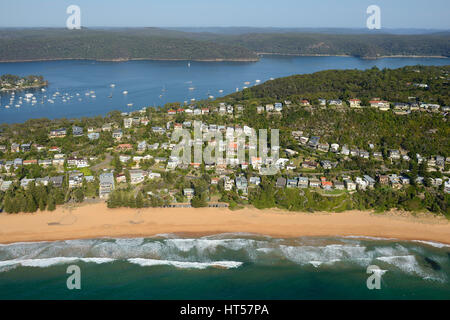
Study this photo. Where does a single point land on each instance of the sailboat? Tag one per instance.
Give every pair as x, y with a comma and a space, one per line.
189, 64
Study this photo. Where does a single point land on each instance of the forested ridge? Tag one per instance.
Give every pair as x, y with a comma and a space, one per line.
155, 43
395, 85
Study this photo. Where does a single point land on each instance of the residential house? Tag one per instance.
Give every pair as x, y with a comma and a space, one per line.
228, 183
77, 162
314, 183
304, 103
24, 183
309, 164
447, 186
394, 155
269, 107
188, 193
117, 134
339, 185
394, 181
158, 130
42, 181
5, 185
255, 180
326, 164
58, 133
142, 146
303, 182
107, 127
25, 147
326, 185
77, 131
292, 182
137, 176
29, 162
324, 147
241, 184
93, 136
106, 184
45, 163
75, 179
335, 102
334, 147
369, 181
313, 141
57, 181
345, 151
355, 103
124, 147
349, 185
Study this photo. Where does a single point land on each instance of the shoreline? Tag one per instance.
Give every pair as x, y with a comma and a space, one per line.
348, 56
25, 88
132, 59
97, 221
223, 59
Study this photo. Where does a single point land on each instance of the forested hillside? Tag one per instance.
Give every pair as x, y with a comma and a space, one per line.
396, 85
112, 45
155, 43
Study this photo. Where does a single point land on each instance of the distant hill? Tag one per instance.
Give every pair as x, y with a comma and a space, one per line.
359, 45
246, 30
123, 44
210, 44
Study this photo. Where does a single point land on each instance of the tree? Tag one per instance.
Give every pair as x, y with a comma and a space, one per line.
139, 200
42, 205
79, 195
51, 203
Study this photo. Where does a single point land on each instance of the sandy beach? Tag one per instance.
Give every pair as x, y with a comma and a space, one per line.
96, 220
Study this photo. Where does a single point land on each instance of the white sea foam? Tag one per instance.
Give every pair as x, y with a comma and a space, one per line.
368, 238
48, 262
180, 252
410, 265
433, 244
185, 264
318, 255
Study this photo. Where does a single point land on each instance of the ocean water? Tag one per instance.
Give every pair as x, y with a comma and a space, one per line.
154, 83
225, 266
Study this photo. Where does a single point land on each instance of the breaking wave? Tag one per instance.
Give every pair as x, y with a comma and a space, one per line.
231, 251
184, 264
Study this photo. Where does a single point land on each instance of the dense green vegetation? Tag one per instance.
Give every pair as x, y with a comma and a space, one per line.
154, 43
394, 85
111, 45
359, 45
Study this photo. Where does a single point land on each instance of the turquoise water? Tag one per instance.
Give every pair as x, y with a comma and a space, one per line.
225, 266
154, 83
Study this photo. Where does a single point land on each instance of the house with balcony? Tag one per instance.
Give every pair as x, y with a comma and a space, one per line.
106, 184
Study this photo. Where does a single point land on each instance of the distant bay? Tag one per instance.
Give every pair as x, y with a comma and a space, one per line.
85, 89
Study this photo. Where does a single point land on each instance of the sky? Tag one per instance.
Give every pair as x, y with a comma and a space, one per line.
420, 14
